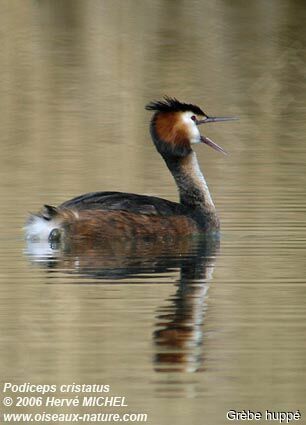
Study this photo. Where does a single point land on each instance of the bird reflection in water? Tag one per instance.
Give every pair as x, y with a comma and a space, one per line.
178, 336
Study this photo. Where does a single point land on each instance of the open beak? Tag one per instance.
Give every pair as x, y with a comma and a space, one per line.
212, 144
216, 119
206, 140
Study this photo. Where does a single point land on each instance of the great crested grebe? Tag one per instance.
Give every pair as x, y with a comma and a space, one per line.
101, 215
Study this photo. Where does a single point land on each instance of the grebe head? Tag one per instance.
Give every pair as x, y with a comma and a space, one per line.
174, 127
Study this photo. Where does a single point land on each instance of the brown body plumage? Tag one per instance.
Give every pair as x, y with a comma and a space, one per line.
98, 225
106, 215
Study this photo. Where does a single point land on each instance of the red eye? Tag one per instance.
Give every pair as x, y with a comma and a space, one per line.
194, 118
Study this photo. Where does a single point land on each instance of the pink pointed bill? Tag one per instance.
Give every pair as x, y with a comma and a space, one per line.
208, 141
212, 144
216, 119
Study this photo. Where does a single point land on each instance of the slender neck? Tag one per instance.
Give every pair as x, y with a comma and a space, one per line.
193, 189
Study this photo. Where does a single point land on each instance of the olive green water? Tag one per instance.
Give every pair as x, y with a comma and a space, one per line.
184, 332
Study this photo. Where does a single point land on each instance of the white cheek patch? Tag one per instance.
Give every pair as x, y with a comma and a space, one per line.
195, 135
192, 128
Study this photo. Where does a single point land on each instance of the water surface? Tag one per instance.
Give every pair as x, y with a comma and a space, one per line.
189, 331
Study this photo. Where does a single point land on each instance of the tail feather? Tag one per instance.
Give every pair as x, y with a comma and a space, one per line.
40, 225
48, 212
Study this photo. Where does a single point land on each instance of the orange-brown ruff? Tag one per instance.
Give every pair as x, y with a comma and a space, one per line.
105, 215
170, 129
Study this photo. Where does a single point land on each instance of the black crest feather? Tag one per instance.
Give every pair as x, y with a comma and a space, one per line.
171, 104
